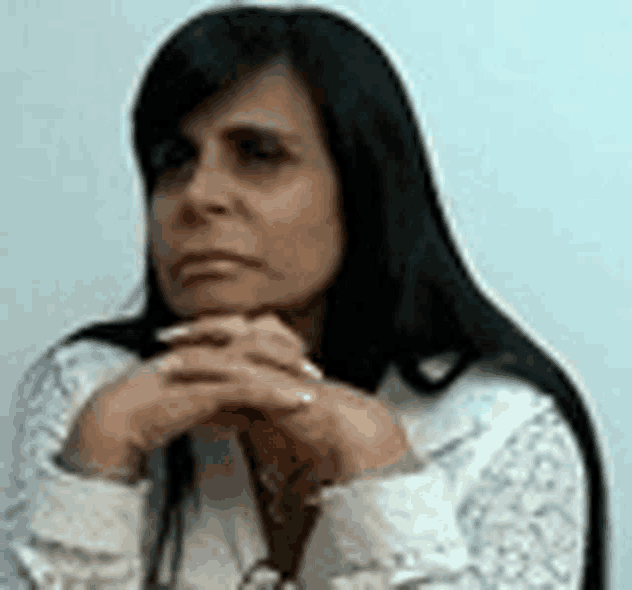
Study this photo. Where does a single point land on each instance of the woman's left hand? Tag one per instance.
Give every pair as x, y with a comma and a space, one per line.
343, 432
364, 433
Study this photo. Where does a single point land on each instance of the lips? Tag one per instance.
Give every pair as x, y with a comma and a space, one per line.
201, 278
194, 265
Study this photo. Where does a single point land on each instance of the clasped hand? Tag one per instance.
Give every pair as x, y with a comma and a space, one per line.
218, 367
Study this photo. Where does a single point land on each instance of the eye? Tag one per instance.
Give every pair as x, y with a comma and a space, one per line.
171, 153
169, 157
254, 149
260, 149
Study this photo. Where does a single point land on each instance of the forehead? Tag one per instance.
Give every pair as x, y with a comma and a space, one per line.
273, 98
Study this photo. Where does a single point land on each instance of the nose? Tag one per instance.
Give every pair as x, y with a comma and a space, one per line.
212, 188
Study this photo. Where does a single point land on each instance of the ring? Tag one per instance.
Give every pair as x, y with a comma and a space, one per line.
314, 371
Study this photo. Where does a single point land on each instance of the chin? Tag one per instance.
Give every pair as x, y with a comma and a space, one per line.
227, 298
192, 306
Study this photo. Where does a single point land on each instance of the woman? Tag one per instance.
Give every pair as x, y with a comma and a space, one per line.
298, 256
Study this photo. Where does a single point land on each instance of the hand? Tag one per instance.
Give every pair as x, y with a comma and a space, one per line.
154, 401
277, 453
194, 383
340, 421
277, 344
339, 435
222, 365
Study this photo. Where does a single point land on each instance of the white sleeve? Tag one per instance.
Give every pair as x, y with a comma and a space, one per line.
63, 530
500, 507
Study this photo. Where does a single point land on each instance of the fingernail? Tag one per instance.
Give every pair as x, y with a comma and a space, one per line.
313, 370
168, 333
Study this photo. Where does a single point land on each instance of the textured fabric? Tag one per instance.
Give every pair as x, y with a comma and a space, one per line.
501, 504
501, 501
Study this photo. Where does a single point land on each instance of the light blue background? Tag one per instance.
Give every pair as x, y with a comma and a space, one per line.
527, 105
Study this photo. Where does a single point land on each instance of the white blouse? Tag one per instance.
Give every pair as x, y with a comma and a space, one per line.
500, 502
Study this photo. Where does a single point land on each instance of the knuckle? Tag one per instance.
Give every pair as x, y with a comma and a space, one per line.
282, 340
168, 362
267, 317
276, 346
272, 322
282, 336
233, 322
237, 324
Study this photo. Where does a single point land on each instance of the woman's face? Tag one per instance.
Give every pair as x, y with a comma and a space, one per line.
262, 192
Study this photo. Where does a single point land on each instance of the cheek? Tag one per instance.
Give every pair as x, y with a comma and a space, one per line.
289, 205
162, 248
305, 221
302, 218
159, 217
306, 200
324, 241
159, 255
312, 251
162, 210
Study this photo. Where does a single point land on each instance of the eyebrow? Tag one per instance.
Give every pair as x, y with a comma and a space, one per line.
252, 121
274, 120
268, 127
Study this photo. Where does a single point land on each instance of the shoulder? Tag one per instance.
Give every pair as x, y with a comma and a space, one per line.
482, 401
487, 419
527, 514
500, 501
90, 357
69, 373
514, 468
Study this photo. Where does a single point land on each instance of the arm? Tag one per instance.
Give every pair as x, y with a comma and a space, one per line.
503, 503
62, 526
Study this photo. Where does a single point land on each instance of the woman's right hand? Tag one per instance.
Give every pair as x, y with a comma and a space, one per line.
208, 371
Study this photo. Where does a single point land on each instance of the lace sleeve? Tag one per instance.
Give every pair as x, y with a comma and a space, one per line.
526, 520
491, 510
62, 530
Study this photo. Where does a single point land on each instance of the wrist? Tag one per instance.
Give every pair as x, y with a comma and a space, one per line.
89, 453
390, 458
403, 462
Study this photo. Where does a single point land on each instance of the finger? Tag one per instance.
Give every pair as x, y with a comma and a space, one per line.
264, 347
270, 324
212, 365
271, 334
198, 395
236, 325
287, 343
237, 381
272, 348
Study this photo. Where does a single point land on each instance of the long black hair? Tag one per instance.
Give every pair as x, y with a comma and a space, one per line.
401, 266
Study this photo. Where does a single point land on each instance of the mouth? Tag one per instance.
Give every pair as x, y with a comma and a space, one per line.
212, 263
212, 270
199, 279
